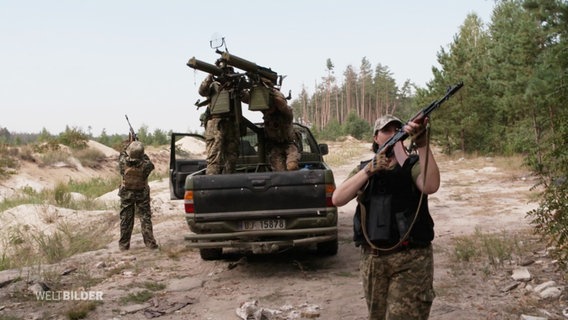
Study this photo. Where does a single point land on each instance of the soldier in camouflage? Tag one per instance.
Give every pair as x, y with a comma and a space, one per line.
221, 131
135, 167
281, 143
392, 223
281, 147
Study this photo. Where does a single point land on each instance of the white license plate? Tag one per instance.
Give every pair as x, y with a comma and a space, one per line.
270, 224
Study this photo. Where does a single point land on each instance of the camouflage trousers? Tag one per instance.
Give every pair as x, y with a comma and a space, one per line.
283, 156
135, 203
399, 286
222, 145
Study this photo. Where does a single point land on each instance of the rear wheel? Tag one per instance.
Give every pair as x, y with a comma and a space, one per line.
328, 248
211, 254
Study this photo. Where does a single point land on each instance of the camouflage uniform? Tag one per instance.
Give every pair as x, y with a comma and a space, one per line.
281, 149
221, 133
134, 192
397, 280
222, 145
398, 286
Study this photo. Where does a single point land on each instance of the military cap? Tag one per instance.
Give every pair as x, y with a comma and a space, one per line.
384, 121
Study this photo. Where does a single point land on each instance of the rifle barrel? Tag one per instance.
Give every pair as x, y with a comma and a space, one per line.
204, 66
401, 135
249, 66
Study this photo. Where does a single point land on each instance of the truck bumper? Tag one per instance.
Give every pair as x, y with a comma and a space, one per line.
250, 239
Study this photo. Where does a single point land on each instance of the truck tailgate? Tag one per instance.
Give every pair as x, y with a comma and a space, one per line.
259, 191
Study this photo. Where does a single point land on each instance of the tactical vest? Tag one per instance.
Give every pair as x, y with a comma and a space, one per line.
220, 99
391, 200
134, 178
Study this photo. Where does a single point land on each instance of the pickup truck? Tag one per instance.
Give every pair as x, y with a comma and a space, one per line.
255, 209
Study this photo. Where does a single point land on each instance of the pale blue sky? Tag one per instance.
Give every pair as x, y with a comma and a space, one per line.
87, 63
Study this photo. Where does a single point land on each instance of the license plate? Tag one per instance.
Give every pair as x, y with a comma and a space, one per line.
271, 224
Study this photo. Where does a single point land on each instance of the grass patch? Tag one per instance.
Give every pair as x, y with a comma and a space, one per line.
56, 157
61, 195
26, 195
81, 310
137, 297
96, 187
154, 286
89, 157
8, 166
494, 249
24, 246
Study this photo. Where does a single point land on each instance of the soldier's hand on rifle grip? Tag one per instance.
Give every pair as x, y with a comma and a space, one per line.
418, 132
378, 163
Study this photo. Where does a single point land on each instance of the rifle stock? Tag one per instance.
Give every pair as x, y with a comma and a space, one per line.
387, 148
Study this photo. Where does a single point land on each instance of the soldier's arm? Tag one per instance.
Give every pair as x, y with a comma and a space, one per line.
122, 162
205, 86
281, 105
148, 165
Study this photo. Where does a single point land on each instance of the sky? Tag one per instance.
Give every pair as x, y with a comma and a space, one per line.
85, 64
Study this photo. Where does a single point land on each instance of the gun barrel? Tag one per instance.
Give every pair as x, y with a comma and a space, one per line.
204, 66
401, 135
249, 66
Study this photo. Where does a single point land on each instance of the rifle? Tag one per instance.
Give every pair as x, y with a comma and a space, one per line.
132, 135
387, 148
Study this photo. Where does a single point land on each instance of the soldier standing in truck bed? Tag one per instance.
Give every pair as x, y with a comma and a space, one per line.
281, 148
221, 132
281, 143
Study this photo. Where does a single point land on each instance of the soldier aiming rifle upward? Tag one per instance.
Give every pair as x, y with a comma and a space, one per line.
132, 136
135, 166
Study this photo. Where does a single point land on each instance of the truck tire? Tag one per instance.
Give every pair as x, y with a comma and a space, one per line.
211, 254
328, 248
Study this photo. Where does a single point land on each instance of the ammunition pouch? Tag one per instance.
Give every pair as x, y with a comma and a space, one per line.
220, 99
380, 229
204, 117
259, 98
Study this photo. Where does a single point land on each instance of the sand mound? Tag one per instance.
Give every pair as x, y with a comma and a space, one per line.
192, 144
107, 151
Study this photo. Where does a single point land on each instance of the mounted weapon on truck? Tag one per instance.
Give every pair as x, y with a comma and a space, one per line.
255, 79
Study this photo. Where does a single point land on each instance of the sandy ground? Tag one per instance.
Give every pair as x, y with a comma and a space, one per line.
477, 195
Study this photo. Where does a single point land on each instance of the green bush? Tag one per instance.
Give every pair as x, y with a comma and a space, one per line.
357, 127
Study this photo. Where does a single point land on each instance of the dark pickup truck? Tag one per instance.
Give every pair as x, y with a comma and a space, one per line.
255, 209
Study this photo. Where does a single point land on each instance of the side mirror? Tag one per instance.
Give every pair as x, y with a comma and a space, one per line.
324, 149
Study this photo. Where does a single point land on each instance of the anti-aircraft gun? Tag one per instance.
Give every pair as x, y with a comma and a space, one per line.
257, 80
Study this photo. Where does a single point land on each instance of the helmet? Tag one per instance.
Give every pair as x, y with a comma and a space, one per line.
135, 150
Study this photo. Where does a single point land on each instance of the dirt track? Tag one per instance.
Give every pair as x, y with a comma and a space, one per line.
476, 194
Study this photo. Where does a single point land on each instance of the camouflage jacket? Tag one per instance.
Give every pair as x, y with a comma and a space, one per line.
145, 167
